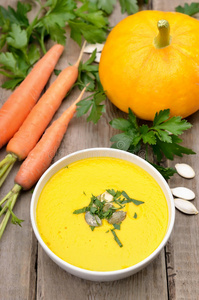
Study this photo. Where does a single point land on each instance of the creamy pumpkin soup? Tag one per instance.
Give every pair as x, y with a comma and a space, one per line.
102, 214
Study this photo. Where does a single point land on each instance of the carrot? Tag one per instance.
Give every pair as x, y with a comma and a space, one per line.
38, 119
37, 161
19, 104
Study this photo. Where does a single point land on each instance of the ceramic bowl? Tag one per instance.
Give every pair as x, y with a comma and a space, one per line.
103, 152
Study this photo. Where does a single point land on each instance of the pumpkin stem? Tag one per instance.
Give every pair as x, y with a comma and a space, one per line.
163, 39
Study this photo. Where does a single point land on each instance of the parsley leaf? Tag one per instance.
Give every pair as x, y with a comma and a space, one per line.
92, 103
116, 238
90, 32
17, 37
162, 137
106, 5
188, 9
129, 6
167, 173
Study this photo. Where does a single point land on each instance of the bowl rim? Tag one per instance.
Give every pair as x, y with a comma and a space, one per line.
83, 273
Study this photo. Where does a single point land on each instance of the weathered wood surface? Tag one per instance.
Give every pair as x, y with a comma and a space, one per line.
26, 271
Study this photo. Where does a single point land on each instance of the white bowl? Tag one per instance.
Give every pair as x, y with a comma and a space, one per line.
102, 152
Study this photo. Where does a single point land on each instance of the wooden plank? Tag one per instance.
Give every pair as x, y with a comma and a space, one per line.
18, 246
182, 248
52, 280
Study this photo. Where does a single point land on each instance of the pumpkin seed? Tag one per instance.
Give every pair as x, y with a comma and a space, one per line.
117, 217
107, 206
92, 220
106, 197
184, 193
91, 47
97, 57
185, 170
185, 206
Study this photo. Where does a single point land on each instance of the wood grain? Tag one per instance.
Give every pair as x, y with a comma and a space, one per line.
182, 249
18, 247
147, 284
27, 273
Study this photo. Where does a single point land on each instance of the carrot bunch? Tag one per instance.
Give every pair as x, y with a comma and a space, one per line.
36, 163
38, 119
19, 104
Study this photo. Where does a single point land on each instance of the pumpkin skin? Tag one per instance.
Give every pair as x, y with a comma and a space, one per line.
137, 75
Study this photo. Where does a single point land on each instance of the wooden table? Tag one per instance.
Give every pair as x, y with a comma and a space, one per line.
26, 271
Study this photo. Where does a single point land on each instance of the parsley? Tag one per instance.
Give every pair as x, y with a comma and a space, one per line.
102, 209
92, 103
128, 199
161, 137
116, 238
135, 215
24, 39
88, 73
188, 9
129, 6
117, 226
106, 5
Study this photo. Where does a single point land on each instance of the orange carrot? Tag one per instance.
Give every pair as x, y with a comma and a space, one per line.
33, 127
38, 160
19, 104
38, 119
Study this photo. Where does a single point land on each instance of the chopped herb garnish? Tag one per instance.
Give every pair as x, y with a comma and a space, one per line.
80, 211
100, 208
135, 215
128, 199
116, 238
117, 226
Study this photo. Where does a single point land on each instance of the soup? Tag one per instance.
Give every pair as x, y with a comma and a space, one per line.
105, 247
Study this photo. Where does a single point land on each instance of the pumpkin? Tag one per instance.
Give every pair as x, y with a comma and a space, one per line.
150, 62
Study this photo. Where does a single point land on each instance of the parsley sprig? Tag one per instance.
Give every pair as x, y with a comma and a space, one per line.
88, 73
161, 137
24, 39
188, 9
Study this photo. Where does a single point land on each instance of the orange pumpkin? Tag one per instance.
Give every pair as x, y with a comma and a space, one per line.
150, 62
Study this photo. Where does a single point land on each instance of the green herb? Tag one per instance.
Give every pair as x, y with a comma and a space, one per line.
188, 9
117, 226
136, 202
162, 137
96, 208
80, 211
106, 5
129, 6
88, 73
92, 103
135, 215
57, 72
24, 40
116, 238
15, 220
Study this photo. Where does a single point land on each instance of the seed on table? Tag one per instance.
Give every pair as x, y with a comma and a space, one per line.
185, 171
91, 47
185, 206
184, 193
